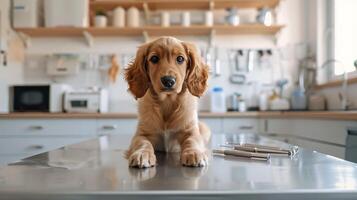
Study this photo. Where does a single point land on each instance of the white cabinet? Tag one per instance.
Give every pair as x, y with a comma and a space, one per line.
34, 145
325, 136
47, 127
215, 124
240, 125
20, 138
116, 126
332, 131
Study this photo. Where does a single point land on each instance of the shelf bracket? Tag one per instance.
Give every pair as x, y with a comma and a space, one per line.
145, 36
26, 40
211, 37
146, 11
89, 38
211, 5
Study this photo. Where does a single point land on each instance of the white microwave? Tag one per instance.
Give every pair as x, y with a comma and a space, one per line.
86, 101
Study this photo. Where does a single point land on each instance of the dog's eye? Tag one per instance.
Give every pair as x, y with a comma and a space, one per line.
180, 59
154, 59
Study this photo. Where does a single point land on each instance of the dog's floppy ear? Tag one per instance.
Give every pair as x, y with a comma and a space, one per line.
197, 71
136, 73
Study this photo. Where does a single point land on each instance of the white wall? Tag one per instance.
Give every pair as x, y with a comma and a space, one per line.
289, 13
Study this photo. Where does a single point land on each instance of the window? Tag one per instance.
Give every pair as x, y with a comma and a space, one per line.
345, 35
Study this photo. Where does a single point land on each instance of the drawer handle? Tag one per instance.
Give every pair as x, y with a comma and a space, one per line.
37, 146
109, 127
36, 127
246, 127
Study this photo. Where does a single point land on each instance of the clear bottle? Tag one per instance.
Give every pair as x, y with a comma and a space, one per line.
218, 100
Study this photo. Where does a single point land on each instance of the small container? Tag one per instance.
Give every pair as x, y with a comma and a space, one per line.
317, 102
132, 17
242, 106
263, 101
298, 99
119, 17
165, 19
234, 99
232, 18
209, 18
218, 100
101, 21
186, 19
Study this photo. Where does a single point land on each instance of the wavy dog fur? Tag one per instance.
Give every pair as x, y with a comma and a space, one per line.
168, 120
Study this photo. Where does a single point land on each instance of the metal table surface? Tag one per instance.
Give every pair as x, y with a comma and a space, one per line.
97, 169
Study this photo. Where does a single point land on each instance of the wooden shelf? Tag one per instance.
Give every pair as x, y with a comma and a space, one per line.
182, 4
151, 30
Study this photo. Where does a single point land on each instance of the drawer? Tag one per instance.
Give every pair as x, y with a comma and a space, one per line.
43, 127
215, 124
116, 126
239, 125
34, 145
280, 126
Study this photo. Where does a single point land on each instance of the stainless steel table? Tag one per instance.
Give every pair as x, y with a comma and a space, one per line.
96, 169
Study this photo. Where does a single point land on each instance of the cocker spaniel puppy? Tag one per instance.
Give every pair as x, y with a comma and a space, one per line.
166, 77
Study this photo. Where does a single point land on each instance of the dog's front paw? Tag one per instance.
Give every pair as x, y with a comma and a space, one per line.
142, 159
194, 158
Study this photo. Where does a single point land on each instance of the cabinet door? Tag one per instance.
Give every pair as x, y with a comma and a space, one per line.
215, 124
240, 125
46, 127
280, 126
28, 146
116, 126
333, 131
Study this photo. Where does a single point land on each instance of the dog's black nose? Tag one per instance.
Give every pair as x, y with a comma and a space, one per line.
168, 81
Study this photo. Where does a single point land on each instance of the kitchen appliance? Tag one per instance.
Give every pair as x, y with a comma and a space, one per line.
4, 98
25, 13
37, 98
86, 101
66, 13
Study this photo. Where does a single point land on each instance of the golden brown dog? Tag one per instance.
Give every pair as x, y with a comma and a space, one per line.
166, 77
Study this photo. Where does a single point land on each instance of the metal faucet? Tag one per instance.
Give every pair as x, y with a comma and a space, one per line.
343, 96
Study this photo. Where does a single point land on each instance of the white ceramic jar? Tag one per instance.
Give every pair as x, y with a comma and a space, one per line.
209, 18
165, 19
119, 17
101, 21
132, 17
186, 19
